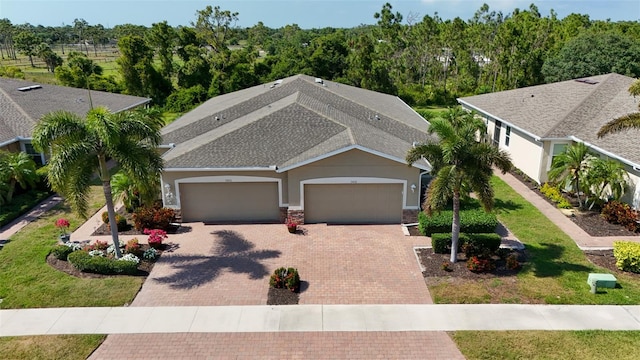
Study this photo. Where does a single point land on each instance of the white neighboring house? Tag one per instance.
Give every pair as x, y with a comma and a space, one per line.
536, 123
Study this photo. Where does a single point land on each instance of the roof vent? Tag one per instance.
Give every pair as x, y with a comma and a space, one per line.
278, 82
319, 81
29, 88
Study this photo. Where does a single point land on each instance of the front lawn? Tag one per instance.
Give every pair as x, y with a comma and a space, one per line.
27, 281
583, 345
68, 347
556, 271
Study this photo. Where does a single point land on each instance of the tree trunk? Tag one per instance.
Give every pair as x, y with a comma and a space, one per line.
106, 187
455, 227
31, 61
12, 188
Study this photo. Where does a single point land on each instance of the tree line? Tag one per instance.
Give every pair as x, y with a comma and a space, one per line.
424, 60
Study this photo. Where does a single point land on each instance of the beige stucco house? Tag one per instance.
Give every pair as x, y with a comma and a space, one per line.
23, 103
316, 150
536, 123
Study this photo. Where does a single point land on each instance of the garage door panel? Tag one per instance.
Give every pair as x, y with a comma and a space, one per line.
230, 202
353, 203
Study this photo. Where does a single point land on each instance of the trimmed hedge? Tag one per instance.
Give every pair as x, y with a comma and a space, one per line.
441, 242
627, 255
471, 221
61, 252
82, 261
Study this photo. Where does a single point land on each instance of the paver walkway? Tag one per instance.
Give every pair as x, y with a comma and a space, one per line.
581, 238
13, 227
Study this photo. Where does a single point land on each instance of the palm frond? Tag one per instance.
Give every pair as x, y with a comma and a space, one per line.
58, 128
627, 122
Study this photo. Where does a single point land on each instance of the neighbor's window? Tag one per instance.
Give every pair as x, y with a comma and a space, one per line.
496, 133
507, 135
36, 156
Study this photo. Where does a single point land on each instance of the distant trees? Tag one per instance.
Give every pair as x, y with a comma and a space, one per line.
26, 43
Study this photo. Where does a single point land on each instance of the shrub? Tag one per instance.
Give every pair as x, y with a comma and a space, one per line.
153, 218
616, 212
150, 254
627, 255
512, 262
471, 221
441, 242
553, 193
82, 261
477, 264
133, 247
285, 278
121, 222
482, 244
155, 237
61, 252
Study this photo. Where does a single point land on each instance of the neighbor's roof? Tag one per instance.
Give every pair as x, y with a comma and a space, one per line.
290, 123
573, 109
21, 110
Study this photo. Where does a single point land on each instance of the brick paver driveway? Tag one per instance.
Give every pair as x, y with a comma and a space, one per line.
231, 265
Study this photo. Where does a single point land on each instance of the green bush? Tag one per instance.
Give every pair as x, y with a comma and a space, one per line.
21, 204
553, 193
285, 278
82, 261
471, 221
121, 222
61, 252
627, 255
441, 242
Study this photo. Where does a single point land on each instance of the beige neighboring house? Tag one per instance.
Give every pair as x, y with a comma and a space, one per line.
536, 123
23, 103
319, 151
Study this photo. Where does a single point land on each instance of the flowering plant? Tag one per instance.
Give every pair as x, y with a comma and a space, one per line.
63, 225
155, 237
291, 222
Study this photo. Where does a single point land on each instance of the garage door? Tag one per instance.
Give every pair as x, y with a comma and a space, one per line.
230, 202
353, 203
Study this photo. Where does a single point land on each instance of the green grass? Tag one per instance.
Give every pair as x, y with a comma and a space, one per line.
556, 272
583, 345
27, 281
68, 347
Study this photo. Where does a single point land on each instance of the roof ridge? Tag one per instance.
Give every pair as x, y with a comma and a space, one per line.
562, 123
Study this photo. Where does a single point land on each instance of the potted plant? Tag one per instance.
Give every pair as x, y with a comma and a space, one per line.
63, 225
292, 225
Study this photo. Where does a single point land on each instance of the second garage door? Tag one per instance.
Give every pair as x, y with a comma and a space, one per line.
353, 203
230, 202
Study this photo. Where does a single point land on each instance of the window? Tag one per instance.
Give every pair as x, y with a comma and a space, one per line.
507, 135
36, 156
557, 149
496, 133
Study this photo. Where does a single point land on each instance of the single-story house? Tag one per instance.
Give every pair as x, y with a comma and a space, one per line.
314, 150
23, 103
536, 123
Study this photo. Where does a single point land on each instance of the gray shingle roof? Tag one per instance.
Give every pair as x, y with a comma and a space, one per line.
569, 109
21, 110
296, 121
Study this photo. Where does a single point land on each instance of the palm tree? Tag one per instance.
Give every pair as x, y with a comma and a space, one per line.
630, 121
16, 168
80, 147
132, 193
462, 161
603, 175
569, 167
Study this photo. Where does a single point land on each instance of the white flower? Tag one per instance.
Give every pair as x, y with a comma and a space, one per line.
96, 253
74, 246
150, 254
130, 257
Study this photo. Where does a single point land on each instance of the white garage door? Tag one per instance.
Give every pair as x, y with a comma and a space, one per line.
353, 203
230, 202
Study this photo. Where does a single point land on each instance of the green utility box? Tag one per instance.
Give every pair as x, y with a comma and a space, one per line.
601, 280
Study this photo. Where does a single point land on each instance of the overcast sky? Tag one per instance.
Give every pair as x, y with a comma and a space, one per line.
277, 13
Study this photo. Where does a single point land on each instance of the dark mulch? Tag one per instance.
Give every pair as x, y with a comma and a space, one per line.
282, 297
144, 267
589, 221
432, 264
605, 259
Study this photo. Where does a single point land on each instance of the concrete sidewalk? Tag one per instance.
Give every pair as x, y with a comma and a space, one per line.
13, 227
316, 318
581, 238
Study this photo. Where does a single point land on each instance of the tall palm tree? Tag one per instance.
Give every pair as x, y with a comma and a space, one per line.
80, 147
569, 167
462, 160
630, 121
16, 169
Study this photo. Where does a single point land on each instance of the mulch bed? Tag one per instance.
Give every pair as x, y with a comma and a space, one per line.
282, 297
605, 259
589, 221
432, 264
144, 267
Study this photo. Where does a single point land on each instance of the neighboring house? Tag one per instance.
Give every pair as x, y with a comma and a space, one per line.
23, 103
536, 123
315, 150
